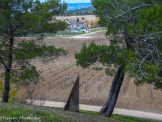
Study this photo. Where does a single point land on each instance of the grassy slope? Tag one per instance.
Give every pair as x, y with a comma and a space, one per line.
122, 118
47, 114
58, 115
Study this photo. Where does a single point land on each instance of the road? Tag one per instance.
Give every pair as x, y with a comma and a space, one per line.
133, 113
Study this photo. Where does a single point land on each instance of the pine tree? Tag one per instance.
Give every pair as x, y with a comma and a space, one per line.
134, 32
18, 18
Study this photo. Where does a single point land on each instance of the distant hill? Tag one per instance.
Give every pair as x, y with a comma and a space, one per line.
81, 11
73, 6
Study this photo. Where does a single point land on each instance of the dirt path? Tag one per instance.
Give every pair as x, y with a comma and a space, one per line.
133, 113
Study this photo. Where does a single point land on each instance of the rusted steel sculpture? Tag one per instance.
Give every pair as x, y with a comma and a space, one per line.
73, 101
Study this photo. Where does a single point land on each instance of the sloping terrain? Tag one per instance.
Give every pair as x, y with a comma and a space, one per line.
60, 74
29, 113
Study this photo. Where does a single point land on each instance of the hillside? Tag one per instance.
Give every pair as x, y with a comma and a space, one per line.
59, 75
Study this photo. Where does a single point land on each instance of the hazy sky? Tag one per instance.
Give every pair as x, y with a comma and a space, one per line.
75, 1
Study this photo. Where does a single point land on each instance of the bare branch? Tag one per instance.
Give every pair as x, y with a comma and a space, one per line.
133, 9
140, 65
1, 60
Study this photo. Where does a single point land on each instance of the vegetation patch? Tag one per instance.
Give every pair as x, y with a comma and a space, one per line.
120, 117
30, 113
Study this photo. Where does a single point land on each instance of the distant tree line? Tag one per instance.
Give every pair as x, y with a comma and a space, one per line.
82, 11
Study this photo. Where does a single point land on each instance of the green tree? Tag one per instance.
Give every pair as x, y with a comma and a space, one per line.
134, 32
18, 18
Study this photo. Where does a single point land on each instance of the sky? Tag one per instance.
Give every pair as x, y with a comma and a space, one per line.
75, 1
